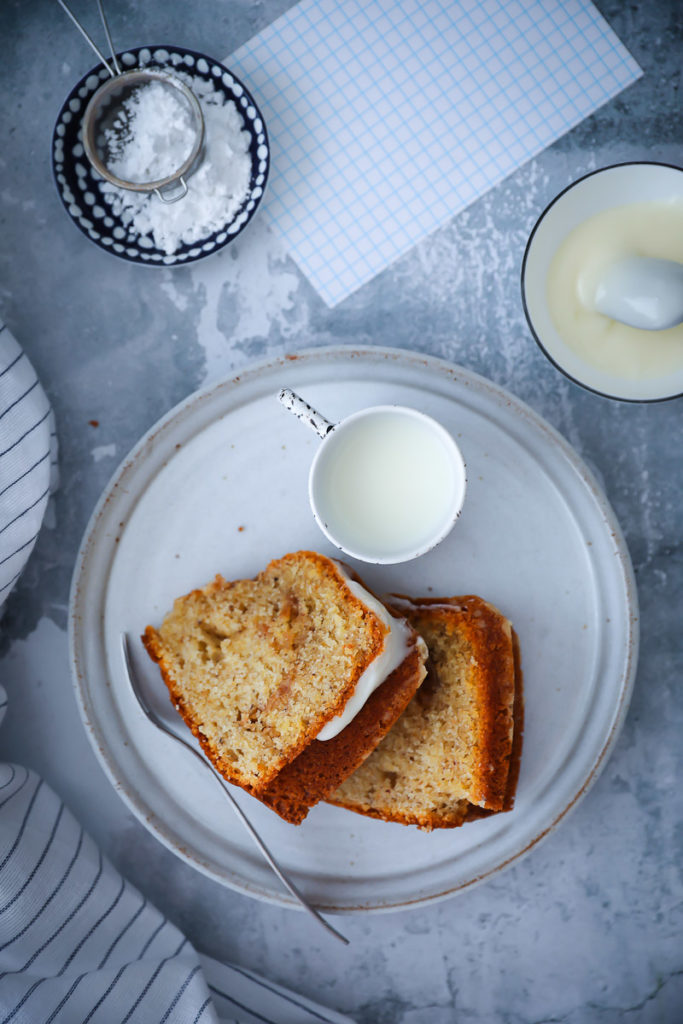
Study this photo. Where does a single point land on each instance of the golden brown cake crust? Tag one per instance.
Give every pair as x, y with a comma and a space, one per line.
326, 572
324, 765
494, 677
309, 769
490, 635
518, 734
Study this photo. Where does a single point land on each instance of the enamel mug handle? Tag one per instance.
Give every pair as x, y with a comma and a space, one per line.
304, 412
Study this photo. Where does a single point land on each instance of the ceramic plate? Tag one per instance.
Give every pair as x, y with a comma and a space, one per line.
219, 485
79, 185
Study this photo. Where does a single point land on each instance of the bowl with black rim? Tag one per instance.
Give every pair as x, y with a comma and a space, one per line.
84, 193
609, 188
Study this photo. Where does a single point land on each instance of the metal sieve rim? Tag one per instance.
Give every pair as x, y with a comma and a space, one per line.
140, 75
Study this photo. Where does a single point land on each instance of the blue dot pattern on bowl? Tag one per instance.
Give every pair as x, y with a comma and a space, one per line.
78, 183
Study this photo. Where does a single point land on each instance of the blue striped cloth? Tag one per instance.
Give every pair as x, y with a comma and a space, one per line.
28, 459
78, 943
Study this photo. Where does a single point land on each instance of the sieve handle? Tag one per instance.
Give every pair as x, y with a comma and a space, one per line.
105, 26
166, 193
93, 45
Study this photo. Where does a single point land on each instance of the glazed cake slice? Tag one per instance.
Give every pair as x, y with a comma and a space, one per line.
260, 668
454, 753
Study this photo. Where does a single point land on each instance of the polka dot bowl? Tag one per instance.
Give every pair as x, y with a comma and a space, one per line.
87, 198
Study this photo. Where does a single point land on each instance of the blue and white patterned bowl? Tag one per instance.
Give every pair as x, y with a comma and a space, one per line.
80, 187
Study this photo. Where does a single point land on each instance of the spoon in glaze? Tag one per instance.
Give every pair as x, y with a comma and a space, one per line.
642, 292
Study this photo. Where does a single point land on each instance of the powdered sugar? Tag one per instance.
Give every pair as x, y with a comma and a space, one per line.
216, 190
152, 134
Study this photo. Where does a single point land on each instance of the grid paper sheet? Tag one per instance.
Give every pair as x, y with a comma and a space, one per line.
387, 117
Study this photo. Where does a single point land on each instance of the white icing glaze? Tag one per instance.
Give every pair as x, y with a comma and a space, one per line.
404, 602
640, 229
396, 645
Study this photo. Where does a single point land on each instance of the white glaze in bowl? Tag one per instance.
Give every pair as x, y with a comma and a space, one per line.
618, 185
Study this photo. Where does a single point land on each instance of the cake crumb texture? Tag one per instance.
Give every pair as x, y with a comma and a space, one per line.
257, 667
453, 754
322, 766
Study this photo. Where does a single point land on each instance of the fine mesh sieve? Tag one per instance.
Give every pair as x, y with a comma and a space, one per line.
104, 130
106, 122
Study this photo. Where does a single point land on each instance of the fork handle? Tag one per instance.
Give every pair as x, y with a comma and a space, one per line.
287, 882
161, 725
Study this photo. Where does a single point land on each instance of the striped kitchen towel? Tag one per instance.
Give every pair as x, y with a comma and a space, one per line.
79, 944
28, 459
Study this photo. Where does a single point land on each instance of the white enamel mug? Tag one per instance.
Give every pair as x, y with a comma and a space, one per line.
387, 483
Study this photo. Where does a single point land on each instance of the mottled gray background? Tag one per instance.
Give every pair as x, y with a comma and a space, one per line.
587, 927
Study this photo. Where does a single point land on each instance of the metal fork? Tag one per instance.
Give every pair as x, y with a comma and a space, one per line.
173, 727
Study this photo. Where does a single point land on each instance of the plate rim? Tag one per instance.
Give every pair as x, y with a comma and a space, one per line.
253, 371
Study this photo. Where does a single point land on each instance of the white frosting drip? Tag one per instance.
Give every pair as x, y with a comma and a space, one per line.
404, 602
396, 645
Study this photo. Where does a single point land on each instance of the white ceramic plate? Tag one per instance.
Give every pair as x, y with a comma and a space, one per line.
219, 485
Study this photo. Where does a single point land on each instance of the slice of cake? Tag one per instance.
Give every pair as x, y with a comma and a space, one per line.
454, 753
263, 669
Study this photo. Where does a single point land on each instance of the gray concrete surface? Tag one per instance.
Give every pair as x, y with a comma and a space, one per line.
587, 928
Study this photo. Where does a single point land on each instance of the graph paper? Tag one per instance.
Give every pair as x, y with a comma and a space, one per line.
387, 117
